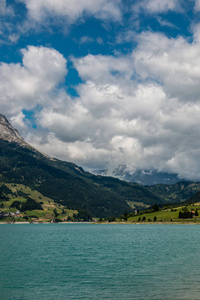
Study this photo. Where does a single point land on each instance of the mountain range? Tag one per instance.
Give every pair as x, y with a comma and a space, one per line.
70, 185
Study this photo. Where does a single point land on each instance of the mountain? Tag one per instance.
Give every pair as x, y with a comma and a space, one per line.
10, 134
65, 182
195, 198
174, 193
144, 177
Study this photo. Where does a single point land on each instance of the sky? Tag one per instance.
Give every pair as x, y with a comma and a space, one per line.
105, 83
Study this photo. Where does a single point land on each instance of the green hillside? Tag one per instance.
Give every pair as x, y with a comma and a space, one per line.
169, 215
13, 197
68, 184
174, 193
195, 198
185, 213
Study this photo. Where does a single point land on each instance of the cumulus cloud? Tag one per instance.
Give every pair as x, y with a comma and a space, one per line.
144, 109
104, 69
142, 129
23, 86
174, 63
140, 109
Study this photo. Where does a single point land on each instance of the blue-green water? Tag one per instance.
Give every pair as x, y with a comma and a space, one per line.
85, 261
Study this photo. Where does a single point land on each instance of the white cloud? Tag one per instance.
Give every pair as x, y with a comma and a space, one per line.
127, 36
141, 109
13, 38
174, 63
18, 121
146, 125
73, 10
100, 41
157, 6
196, 32
5, 9
104, 69
7, 29
45, 64
22, 86
197, 5
79, 151
86, 39
43, 15
142, 129
166, 23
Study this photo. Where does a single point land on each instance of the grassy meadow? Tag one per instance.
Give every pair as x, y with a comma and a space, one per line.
166, 215
21, 192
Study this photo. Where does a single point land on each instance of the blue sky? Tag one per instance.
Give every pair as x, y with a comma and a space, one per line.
105, 82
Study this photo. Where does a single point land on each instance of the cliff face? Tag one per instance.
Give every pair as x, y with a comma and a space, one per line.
9, 133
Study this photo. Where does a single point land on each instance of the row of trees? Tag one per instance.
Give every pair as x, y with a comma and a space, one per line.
143, 219
186, 214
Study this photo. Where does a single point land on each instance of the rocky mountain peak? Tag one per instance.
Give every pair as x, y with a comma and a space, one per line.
9, 133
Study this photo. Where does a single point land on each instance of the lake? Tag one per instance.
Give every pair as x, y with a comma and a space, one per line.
92, 261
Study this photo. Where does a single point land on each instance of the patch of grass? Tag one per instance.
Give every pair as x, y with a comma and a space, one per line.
168, 215
133, 204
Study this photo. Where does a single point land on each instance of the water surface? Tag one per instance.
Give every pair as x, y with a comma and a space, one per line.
85, 261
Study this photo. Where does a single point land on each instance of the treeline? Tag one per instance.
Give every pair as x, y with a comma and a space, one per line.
186, 214
82, 215
30, 204
4, 191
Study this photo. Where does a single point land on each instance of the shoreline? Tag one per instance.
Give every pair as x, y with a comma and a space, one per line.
106, 223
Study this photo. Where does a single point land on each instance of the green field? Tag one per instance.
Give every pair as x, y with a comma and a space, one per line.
168, 215
48, 205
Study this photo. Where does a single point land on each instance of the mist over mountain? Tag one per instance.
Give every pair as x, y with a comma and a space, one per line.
143, 177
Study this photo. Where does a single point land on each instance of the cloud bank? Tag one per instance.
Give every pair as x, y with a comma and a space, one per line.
140, 109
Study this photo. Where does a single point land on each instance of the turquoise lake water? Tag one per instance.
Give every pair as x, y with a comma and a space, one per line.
88, 261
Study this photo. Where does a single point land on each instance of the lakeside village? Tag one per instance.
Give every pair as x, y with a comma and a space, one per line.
154, 214
17, 214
